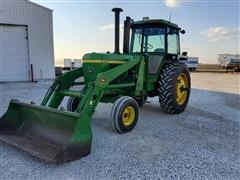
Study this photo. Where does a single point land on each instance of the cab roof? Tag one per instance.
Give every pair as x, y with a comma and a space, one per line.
156, 21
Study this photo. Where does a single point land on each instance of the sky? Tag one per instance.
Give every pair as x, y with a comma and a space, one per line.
212, 27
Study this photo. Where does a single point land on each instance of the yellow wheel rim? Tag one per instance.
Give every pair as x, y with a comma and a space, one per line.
128, 115
182, 86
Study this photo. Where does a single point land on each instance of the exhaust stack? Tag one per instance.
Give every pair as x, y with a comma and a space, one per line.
117, 27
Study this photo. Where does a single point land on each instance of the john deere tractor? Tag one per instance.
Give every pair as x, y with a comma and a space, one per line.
150, 65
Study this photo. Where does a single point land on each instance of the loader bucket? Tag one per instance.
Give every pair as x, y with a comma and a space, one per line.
44, 132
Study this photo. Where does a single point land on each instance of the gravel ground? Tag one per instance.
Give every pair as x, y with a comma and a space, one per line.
201, 143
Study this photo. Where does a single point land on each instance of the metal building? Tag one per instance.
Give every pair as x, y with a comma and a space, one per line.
26, 41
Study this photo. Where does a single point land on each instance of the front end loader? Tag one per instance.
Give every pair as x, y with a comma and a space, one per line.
150, 65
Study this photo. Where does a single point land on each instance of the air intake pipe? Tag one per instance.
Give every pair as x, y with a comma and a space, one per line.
126, 35
117, 28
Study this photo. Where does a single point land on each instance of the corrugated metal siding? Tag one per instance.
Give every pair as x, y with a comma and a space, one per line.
40, 33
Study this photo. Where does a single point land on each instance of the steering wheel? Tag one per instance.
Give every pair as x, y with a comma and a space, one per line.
148, 46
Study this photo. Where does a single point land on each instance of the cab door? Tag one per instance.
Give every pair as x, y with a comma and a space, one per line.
154, 47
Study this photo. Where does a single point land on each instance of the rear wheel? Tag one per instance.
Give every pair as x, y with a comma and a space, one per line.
124, 114
72, 103
174, 88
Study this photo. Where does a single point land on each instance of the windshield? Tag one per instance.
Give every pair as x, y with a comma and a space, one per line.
150, 39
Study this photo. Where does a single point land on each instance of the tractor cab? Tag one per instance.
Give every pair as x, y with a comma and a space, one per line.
157, 39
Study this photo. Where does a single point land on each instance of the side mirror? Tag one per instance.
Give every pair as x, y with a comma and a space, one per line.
184, 53
182, 31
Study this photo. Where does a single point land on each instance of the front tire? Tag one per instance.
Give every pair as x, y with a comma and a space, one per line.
72, 104
124, 114
174, 88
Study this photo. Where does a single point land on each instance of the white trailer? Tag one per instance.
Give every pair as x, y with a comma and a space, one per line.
67, 63
77, 63
70, 64
192, 63
229, 61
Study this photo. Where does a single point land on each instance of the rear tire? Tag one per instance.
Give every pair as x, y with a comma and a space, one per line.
124, 114
72, 104
174, 88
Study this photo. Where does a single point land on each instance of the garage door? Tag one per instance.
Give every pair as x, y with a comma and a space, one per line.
14, 58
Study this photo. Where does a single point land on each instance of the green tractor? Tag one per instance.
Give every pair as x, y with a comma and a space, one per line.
150, 65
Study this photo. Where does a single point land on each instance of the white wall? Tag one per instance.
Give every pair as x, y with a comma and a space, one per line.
40, 33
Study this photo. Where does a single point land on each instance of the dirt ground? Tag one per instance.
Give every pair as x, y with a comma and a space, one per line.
219, 82
201, 143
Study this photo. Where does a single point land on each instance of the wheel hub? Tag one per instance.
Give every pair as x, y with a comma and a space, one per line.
128, 115
182, 87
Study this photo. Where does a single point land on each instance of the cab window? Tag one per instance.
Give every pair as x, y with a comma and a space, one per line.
136, 40
173, 38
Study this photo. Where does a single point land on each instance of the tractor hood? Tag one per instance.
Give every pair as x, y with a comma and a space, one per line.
95, 63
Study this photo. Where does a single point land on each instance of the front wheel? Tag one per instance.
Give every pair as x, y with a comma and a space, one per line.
72, 104
124, 114
174, 88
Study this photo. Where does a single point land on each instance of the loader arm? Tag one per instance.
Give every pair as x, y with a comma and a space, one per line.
105, 78
92, 97
53, 97
51, 134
